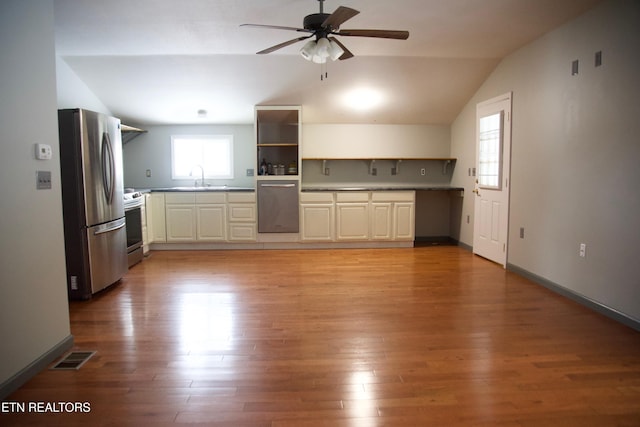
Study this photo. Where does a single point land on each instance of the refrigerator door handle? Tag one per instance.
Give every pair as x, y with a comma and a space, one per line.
110, 226
108, 168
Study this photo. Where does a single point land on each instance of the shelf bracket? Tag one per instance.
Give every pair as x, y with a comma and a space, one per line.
396, 170
445, 166
372, 169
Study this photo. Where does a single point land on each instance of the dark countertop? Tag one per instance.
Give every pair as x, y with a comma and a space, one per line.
407, 187
211, 188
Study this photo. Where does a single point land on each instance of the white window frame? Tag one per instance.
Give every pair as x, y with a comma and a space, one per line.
203, 159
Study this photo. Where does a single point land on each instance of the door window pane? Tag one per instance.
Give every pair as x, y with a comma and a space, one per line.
490, 151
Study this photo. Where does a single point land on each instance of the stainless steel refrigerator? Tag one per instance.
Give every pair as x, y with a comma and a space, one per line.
92, 201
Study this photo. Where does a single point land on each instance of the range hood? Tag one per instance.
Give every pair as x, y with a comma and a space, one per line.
130, 132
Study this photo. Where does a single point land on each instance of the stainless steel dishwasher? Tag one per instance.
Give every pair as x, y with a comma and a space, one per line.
278, 207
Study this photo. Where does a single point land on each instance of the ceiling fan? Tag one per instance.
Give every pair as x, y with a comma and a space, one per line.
323, 26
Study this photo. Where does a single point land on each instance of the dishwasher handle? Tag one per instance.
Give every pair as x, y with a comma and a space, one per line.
278, 185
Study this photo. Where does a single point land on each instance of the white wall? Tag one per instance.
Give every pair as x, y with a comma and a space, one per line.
575, 153
34, 315
378, 140
73, 92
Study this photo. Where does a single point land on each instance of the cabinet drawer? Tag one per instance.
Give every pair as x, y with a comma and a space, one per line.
322, 197
392, 196
180, 198
241, 197
242, 232
243, 212
359, 196
210, 198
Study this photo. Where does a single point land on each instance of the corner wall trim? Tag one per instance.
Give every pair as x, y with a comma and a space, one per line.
15, 382
580, 299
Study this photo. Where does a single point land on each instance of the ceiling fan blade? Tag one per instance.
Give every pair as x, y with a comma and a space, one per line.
347, 53
340, 15
276, 27
383, 34
281, 45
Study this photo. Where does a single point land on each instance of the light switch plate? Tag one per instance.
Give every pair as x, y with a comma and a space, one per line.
43, 180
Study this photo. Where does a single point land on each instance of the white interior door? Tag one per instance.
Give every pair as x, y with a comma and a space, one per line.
493, 154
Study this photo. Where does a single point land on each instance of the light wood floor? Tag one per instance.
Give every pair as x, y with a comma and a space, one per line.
431, 336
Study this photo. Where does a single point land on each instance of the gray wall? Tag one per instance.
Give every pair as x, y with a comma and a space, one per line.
152, 151
575, 153
34, 313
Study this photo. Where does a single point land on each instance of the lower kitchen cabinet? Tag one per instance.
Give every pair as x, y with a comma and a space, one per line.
357, 216
352, 221
211, 221
352, 216
156, 218
382, 221
317, 217
209, 217
393, 215
181, 223
242, 217
404, 221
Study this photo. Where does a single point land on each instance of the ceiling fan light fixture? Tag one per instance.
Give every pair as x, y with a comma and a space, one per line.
319, 59
308, 50
322, 47
335, 51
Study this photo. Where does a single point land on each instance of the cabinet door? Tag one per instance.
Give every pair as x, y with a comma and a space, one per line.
381, 221
211, 222
404, 223
352, 221
181, 223
317, 222
156, 218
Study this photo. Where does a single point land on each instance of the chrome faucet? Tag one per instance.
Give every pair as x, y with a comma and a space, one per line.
195, 184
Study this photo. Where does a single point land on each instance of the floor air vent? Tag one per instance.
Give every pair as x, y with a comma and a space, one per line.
73, 360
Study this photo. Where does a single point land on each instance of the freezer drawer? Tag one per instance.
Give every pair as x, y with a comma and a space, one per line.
107, 254
278, 210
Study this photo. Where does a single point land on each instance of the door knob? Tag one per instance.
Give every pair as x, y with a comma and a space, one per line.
475, 190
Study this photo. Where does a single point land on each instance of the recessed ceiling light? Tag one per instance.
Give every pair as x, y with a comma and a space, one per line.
363, 99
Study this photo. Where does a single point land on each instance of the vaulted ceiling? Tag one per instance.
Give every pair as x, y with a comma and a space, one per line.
160, 61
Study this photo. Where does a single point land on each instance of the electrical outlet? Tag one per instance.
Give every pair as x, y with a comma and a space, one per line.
583, 250
249, 172
374, 171
423, 171
148, 173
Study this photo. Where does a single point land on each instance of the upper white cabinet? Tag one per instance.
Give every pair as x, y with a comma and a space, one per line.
278, 135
